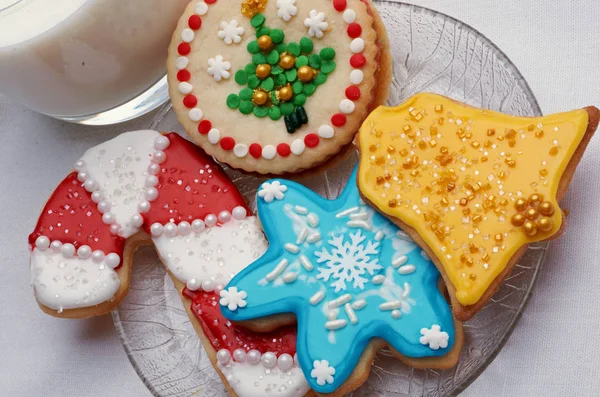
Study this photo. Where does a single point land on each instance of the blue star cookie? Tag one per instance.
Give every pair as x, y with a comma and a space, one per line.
348, 274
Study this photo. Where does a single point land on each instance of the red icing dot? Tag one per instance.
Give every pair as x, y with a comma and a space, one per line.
283, 149
71, 216
338, 119
190, 101
195, 22
204, 126
223, 334
354, 30
353, 93
227, 143
357, 60
339, 5
184, 48
255, 150
311, 140
183, 75
190, 186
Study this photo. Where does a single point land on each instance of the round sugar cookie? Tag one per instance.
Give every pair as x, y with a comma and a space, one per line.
276, 86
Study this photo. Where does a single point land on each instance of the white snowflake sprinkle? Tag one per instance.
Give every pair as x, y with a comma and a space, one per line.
348, 261
286, 9
219, 68
272, 191
316, 24
434, 337
322, 372
231, 32
232, 298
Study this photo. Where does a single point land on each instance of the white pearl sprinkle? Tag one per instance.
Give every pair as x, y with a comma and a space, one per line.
115, 228
224, 216
137, 220
269, 152
170, 229
84, 252
112, 260
196, 114
269, 360
239, 213
153, 169
90, 185
144, 207
151, 194
161, 142
97, 256
356, 76
239, 355
55, 245
193, 284
97, 196
159, 156
198, 225
223, 356
298, 146
42, 243
210, 220
156, 229
208, 285
285, 362
184, 228
108, 218
104, 206
79, 165
253, 357
67, 250
82, 176
346, 106
151, 181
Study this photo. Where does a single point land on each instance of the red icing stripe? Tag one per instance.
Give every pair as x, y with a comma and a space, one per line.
190, 186
71, 216
223, 334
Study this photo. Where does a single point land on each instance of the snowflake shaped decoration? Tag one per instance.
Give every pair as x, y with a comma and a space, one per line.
271, 191
231, 32
348, 261
334, 264
315, 22
232, 298
219, 68
322, 372
286, 9
434, 337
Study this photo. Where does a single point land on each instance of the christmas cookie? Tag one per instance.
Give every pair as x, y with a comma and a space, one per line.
276, 86
355, 282
472, 187
147, 188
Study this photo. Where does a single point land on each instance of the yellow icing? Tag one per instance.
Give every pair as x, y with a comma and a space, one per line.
454, 173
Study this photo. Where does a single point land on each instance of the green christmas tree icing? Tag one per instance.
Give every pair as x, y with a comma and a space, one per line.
275, 107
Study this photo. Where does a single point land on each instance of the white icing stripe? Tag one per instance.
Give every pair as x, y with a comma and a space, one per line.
306, 263
277, 270
317, 298
190, 257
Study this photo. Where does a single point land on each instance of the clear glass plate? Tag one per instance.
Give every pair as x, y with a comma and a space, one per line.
431, 52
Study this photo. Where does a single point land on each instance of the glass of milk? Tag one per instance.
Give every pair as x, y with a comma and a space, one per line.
87, 61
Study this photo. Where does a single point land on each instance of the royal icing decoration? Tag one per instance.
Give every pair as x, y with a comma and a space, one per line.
231, 32
286, 9
315, 22
476, 185
272, 191
278, 82
219, 68
434, 337
335, 264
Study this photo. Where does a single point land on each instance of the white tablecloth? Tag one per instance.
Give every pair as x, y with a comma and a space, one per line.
555, 349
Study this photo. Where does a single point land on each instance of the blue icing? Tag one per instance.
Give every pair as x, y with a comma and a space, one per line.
345, 259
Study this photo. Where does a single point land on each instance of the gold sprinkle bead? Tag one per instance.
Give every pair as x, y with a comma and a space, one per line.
373, 148
287, 61
539, 134
285, 93
531, 214
545, 224
263, 71
543, 172
553, 151
432, 143
521, 204
265, 42
530, 228
535, 199
511, 134
517, 220
260, 97
463, 202
531, 127
546, 208
252, 7
444, 202
477, 218
306, 74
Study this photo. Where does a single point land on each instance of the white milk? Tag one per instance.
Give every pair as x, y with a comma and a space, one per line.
80, 57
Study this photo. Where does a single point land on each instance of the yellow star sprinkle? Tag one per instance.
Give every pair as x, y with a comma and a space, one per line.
474, 186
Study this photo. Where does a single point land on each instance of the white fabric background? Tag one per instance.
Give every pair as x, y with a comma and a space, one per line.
555, 349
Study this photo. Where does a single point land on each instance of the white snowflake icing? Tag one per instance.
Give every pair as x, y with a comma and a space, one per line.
219, 68
287, 9
271, 191
348, 261
232, 298
322, 372
434, 337
231, 32
316, 24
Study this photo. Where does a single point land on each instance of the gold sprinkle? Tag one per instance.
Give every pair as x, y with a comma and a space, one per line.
475, 144
441, 121
484, 159
491, 132
422, 145
500, 138
487, 143
439, 108
543, 172
460, 133
546, 208
432, 143
373, 148
511, 163
545, 224
450, 186
414, 172
463, 258
517, 219
463, 201
407, 128
539, 134
444, 202
521, 204
252, 7
466, 211
530, 228
531, 214
477, 218
403, 152
485, 257
380, 160
433, 130
553, 151
535, 198
444, 150
472, 277
392, 203
473, 248
531, 127
511, 134
470, 263
391, 149
512, 142
498, 238
501, 175
379, 180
